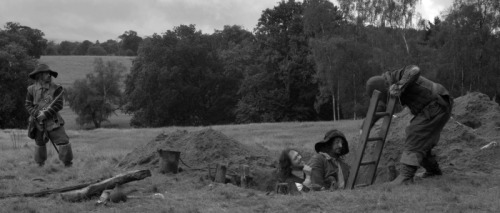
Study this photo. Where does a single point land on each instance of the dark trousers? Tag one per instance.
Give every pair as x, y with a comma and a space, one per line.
60, 138
423, 133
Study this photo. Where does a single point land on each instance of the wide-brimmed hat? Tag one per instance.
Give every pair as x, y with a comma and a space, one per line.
42, 68
329, 136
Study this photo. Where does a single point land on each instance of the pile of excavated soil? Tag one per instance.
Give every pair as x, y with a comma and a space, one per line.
477, 111
198, 150
474, 124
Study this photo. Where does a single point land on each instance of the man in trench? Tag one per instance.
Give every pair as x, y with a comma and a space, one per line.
327, 168
430, 103
43, 103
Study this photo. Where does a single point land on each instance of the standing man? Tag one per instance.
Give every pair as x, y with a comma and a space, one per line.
43, 102
430, 103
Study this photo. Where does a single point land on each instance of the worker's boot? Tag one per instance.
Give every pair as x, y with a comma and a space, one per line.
66, 154
40, 155
431, 167
405, 176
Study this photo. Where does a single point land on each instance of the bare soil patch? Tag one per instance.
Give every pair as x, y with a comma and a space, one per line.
202, 149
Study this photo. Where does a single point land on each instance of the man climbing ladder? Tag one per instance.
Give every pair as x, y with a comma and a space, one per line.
431, 105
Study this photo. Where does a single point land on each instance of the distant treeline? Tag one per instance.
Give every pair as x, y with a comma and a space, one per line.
127, 45
305, 61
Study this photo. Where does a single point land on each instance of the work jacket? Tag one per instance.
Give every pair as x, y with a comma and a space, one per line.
41, 98
417, 91
325, 171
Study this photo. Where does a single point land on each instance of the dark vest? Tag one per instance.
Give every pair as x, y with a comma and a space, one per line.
417, 95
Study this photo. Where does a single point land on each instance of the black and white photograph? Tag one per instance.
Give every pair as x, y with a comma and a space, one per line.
249, 106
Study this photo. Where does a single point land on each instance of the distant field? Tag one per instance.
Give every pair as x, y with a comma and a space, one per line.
71, 68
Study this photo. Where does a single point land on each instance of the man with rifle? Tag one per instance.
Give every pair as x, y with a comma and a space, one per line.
43, 102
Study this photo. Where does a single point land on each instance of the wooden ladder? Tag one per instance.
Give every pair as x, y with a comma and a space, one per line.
379, 141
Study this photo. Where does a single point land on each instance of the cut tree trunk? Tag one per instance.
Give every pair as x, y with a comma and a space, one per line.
169, 161
220, 173
97, 188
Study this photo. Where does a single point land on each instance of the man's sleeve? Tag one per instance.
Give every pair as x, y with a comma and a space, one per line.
408, 75
28, 104
58, 104
317, 173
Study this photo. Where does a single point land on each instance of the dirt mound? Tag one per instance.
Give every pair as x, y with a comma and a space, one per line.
477, 111
474, 124
198, 150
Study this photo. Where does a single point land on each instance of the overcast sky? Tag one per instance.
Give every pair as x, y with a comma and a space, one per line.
78, 20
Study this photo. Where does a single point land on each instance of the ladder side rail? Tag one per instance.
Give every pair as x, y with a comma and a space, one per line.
383, 134
364, 136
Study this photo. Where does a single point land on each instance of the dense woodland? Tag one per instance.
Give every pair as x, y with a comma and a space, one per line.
303, 61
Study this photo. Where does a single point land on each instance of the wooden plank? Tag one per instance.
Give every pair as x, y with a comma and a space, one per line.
244, 175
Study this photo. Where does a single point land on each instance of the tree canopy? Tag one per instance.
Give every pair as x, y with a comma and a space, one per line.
178, 78
282, 86
96, 97
19, 47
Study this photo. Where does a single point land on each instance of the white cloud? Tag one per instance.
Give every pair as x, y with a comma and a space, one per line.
429, 9
79, 20
92, 20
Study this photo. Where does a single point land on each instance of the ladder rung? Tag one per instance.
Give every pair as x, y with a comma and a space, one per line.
367, 163
382, 114
375, 139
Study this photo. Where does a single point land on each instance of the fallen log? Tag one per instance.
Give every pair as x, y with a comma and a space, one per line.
45, 192
97, 188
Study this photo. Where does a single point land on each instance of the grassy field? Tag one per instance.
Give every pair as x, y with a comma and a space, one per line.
71, 68
98, 151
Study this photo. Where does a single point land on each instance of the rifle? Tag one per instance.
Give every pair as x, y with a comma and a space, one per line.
40, 125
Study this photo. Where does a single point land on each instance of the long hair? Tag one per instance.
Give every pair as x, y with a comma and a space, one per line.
285, 164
